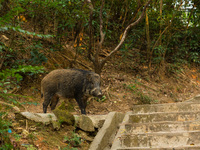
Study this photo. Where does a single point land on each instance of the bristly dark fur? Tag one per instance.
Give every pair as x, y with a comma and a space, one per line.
70, 83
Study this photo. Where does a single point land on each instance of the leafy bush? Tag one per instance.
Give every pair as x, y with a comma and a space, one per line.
75, 140
17, 73
144, 99
4, 133
36, 56
18, 29
11, 77
184, 47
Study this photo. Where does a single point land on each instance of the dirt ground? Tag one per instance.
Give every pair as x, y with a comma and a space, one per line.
123, 88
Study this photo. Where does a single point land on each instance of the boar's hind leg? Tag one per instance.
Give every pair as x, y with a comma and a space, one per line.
47, 100
54, 102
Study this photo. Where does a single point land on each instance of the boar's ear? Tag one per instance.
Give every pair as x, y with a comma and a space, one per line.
92, 77
89, 77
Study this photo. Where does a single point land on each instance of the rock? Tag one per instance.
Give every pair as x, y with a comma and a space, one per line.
56, 125
85, 136
37, 117
98, 120
85, 123
64, 116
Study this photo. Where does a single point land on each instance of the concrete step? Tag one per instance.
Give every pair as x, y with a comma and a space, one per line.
164, 139
169, 107
191, 147
162, 126
174, 126
195, 99
146, 129
163, 116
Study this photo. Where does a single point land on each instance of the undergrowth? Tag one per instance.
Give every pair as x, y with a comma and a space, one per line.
5, 143
9, 80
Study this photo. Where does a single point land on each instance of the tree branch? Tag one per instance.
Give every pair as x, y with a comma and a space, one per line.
10, 105
125, 33
102, 35
90, 30
160, 36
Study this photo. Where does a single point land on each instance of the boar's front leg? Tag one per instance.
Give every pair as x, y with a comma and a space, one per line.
47, 100
82, 103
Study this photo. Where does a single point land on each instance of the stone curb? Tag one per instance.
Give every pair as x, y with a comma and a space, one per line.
117, 141
164, 148
86, 123
109, 129
168, 107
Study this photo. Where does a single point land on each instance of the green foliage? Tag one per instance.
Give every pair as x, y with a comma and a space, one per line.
30, 147
18, 73
144, 99
6, 54
7, 16
11, 78
18, 29
66, 18
4, 133
102, 99
158, 54
141, 97
36, 56
67, 13
68, 147
194, 57
184, 46
74, 140
132, 87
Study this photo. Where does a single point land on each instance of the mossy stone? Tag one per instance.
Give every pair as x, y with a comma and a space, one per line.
63, 115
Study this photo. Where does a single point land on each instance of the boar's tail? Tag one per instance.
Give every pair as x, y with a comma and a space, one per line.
41, 95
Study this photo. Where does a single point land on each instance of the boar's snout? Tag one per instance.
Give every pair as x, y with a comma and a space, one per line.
96, 92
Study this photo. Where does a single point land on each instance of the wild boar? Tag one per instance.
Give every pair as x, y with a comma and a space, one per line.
70, 83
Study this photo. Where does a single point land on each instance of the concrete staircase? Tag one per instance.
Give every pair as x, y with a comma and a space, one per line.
174, 126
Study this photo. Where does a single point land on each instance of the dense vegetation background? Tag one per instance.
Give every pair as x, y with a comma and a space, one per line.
166, 37
161, 37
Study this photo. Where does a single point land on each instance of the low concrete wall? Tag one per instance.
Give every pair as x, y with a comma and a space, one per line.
117, 141
101, 140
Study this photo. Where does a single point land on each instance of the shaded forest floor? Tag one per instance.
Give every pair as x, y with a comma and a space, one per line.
124, 87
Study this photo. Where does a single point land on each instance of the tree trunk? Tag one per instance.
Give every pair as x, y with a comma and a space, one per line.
147, 36
161, 6
99, 64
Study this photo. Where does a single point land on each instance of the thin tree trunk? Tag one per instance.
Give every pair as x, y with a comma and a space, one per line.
147, 36
90, 30
190, 17
124, 34
99, 64
160, 36
161, 6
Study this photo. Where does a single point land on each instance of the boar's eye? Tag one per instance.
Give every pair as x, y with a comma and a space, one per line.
91, 84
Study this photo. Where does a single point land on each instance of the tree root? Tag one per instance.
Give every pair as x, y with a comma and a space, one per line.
11, 105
